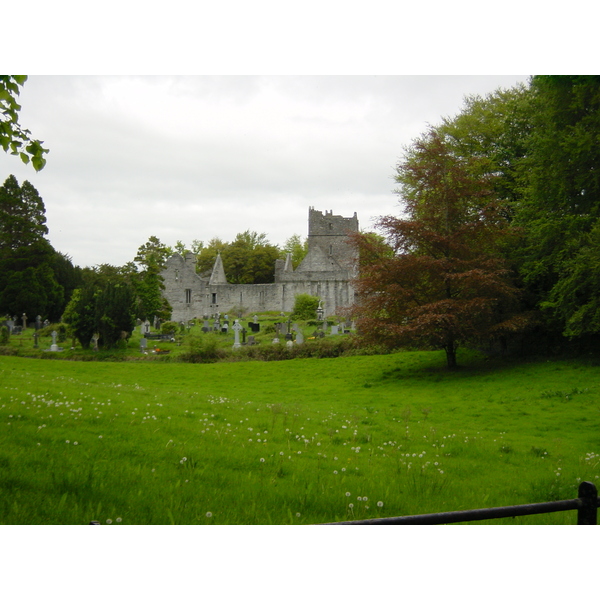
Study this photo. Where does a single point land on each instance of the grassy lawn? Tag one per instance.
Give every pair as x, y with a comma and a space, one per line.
292, 442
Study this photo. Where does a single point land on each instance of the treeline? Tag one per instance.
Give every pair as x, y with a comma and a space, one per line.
249, 258
500, 236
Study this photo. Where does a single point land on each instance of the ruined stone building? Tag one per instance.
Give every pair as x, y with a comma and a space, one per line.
327, 272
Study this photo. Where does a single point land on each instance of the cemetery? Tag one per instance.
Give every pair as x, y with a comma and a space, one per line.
261, 336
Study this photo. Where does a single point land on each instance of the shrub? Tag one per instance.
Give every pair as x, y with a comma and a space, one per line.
4, 335
202, 349
169, 328
305, 307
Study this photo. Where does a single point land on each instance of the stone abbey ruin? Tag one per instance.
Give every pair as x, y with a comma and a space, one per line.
327, 272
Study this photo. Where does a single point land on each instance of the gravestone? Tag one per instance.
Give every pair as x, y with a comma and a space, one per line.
143, 345
334, 330
237, 327
54, 347
146, 327
94, 342
251, 340
299, 337
38, 323
206, 326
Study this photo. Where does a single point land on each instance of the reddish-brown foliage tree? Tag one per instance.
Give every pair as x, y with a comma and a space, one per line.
441, 281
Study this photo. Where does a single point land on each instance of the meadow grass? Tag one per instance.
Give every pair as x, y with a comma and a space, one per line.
293, 442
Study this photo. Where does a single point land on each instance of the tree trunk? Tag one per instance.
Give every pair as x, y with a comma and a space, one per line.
451, 355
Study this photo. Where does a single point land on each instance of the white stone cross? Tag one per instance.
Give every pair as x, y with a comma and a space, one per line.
237, 327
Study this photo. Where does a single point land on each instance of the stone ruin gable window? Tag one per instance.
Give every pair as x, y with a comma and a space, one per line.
188, 296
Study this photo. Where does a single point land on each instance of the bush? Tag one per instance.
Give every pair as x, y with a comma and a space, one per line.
204, 349
169, 328
4, 335
305, 307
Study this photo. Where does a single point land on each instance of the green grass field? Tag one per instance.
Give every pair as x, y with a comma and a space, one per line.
292, 442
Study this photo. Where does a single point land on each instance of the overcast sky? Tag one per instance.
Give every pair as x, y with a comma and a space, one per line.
185, 158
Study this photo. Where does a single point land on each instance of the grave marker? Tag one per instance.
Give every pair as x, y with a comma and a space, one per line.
236, 331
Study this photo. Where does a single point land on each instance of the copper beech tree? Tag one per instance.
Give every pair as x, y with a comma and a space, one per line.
439, 279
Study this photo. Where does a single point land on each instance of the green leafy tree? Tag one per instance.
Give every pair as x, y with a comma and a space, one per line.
22, 215
495, 127
33, 276
13, 138
250, 258
560, 207
153, 251
104, 305
446, 282
149, 285
180, 248
296, 247
80, 314
207, 255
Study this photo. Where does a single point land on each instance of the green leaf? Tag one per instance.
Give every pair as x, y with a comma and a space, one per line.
24, 157
38, 163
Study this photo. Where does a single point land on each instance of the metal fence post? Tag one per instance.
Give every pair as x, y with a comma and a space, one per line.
587, 513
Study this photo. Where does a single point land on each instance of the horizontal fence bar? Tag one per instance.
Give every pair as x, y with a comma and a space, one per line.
586, 505
479, 514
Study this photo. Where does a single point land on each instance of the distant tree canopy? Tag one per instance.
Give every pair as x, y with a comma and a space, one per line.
34, 278
250, 258
13, 138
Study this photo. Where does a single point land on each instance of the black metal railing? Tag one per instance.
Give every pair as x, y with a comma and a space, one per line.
586, 505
